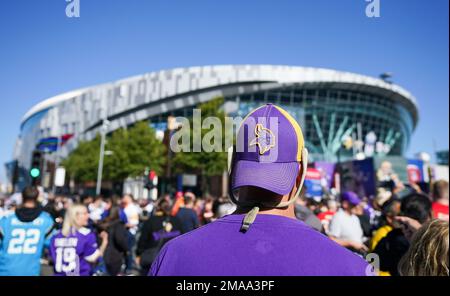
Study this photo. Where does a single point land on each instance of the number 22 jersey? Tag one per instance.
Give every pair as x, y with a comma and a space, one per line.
23, 236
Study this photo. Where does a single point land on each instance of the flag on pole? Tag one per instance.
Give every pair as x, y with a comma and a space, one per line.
65, 138
48, 144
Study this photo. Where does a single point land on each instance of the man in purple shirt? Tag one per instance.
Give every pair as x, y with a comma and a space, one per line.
267, 171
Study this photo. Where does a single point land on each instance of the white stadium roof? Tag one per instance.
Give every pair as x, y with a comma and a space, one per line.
214, 76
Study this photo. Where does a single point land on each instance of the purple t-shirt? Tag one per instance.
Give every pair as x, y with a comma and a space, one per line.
273, 246
69, 253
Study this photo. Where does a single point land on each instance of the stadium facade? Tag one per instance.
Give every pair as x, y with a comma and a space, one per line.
329, 105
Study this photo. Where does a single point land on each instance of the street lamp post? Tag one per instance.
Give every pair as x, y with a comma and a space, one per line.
103, 131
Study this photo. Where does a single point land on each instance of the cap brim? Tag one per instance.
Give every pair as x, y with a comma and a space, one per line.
276, 177
356, 203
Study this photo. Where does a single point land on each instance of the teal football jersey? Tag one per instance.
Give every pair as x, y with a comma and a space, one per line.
22, 244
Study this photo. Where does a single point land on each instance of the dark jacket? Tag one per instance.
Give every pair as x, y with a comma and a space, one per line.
156, 231
391, 249
28, 214
188, 219
116, 250
153, 233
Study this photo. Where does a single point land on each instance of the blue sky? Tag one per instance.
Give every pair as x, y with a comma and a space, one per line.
43, 53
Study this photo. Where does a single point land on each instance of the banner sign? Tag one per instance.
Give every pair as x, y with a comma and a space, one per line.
313, 182
415, 171
359, 176
48, 144
326, 170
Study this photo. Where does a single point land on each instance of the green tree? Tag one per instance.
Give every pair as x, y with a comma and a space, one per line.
82, 163
116, 165
204, 163
144, 150
133, 150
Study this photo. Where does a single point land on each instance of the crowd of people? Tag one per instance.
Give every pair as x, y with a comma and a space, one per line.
123, 236
406, 227
267, 226
86, 235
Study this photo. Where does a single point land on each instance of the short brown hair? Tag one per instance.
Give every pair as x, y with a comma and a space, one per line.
440, 190
30, 193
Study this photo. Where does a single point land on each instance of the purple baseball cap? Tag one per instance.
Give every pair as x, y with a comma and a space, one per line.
268, 150
351, 197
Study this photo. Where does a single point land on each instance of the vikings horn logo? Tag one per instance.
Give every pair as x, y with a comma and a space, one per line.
265, 139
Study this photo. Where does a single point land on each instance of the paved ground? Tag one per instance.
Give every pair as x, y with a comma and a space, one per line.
46, 270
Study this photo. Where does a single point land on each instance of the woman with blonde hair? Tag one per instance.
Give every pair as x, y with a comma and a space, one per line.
428, 253
74, 248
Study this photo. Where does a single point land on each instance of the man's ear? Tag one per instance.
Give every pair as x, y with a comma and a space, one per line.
298, 180
299, 176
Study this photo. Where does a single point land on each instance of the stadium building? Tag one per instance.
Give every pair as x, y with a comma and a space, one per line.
332, 107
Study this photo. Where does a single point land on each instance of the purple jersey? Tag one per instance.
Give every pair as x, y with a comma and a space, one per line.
273, 246
71, 254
